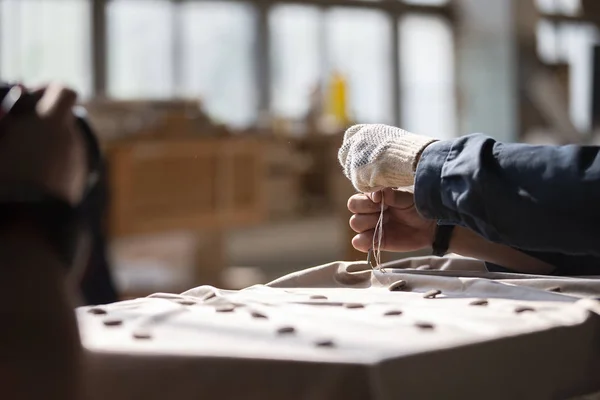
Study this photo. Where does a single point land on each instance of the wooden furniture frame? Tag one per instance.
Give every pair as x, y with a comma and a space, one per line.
208, 183
204, 185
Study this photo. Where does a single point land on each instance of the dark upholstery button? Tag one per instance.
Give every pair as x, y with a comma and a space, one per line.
325, 343
523, 309
286, 330
424, 325
97, 311
258, 315
354, 305
225, 308
393, 313
432, 294
209, 296
481, 302
112, 322
556, 289
318, 297
186, 302
142, 335
397, 286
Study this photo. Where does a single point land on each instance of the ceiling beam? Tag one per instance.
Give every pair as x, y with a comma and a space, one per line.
390, 6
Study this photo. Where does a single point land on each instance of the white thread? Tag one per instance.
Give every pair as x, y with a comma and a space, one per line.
378, 236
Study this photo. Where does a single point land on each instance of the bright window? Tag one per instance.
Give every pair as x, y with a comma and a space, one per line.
217, 60
427, 77
295, 58
572, 44
140, 49
308, 45
46, 40
427, 2
359, 47
565, 7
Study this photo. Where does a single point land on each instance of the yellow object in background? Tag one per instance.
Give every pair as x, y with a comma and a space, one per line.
337, 99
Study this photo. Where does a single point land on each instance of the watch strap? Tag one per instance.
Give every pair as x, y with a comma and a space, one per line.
57, 221
441, 242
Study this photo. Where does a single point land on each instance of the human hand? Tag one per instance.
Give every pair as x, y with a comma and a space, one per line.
403, 228
375, 157
42, 147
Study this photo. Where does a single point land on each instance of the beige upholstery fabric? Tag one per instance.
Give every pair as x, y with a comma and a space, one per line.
339, 332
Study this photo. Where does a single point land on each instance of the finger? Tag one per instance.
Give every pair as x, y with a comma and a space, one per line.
365, 222
399, 199
57, 102
363, 242
376, 196
361, 204
38, 89
38, 92
396, 237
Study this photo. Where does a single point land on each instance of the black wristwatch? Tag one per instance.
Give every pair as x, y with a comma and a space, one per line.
441, 242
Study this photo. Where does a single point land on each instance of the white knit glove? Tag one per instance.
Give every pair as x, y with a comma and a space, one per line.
376, 157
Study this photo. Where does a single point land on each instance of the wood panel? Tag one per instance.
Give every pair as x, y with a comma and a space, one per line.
188, 184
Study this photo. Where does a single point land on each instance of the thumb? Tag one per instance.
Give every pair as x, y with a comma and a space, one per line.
375, 196
398, 199
56, 102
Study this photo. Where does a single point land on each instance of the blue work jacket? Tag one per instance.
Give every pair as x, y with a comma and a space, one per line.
541, 200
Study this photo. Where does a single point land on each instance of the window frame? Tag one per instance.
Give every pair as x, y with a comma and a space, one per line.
92, 43
395, 10
557, 20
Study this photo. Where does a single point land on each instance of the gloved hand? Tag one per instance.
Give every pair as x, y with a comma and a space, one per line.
376, 157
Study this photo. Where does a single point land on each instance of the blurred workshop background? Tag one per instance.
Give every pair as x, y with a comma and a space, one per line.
221, 119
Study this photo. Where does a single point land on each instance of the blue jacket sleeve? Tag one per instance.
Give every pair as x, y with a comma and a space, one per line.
539, 199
